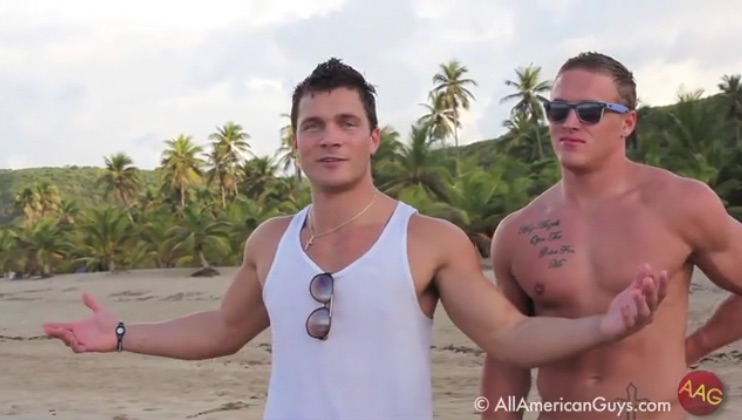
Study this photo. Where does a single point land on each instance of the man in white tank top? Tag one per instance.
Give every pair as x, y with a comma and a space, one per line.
349, 285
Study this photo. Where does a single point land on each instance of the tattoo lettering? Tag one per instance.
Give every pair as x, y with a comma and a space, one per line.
542, 234
556, 263
554, 251
546, 225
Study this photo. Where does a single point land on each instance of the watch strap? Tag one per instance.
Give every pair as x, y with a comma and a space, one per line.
120, 332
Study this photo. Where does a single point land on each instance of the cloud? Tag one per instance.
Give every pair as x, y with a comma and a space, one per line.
82, 80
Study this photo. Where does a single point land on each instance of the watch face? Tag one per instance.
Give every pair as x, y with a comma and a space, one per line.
119, 330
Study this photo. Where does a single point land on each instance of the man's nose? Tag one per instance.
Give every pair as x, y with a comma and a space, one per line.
330, 137
572, 121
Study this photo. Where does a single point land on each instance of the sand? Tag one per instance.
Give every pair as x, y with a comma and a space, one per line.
42, 379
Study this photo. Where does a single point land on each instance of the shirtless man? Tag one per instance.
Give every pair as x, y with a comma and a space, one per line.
349, 286
573, 248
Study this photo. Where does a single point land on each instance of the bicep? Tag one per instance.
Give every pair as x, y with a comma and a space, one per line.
714, 236
476, 305
242, 309
718, 254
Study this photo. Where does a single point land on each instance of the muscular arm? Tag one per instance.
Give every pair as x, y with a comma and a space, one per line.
501, 380
716, 241
479, 309
219, 332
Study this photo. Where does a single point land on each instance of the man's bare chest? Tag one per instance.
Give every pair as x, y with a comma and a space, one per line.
565, 260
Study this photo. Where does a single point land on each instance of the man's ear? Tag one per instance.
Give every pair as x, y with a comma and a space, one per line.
375, 141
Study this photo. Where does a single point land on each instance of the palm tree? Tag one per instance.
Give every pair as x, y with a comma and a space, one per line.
286, 154
229, 144
182, 168
521, 135
105, 237
28, 202
731, 89
390, 149
694, 138
120, 178
9, 251
452, 84
529, 90
200, 232
259, 174
69, 210
154, 232
43, 245
439, 118
418, 166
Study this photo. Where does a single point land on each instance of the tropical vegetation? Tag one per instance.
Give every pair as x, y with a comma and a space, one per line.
198, 207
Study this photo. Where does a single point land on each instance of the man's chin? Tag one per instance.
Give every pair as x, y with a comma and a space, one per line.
334, 186
574, 163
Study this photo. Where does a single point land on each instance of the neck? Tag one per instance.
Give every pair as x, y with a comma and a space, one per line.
330, 209
608, 180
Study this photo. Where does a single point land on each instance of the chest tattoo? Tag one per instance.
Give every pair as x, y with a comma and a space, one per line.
546, 237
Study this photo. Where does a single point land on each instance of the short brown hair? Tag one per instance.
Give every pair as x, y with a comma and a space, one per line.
601, 63
330, 75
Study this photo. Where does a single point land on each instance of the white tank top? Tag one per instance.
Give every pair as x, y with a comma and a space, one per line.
375, 363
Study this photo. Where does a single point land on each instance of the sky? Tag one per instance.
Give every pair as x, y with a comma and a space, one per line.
80, 80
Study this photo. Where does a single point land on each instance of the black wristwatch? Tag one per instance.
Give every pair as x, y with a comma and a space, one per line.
120, 331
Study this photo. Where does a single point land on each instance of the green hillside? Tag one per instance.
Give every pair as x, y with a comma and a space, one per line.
78, 182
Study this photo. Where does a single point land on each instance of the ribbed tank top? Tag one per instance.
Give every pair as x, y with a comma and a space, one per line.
375, 363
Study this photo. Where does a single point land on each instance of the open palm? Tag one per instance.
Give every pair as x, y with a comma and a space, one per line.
634, 307
93, 334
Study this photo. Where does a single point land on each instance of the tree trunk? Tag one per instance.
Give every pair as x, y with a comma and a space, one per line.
204, 262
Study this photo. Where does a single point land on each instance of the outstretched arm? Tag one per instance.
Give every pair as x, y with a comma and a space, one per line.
716, 240
481, 311
203, 335
501, 380
219, 332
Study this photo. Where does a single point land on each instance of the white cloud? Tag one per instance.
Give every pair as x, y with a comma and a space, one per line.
83, 79
171, 14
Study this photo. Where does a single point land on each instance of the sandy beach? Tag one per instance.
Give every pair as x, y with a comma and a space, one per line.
42, 379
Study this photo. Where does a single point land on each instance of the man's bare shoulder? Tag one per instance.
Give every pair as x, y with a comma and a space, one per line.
692, 207
674, 192
265, 238
448, 252
271, 228
434, 230
440, 239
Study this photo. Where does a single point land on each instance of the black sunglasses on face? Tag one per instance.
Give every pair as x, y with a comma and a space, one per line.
588, 112
322, 289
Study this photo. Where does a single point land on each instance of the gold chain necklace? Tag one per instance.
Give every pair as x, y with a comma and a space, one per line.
313, 236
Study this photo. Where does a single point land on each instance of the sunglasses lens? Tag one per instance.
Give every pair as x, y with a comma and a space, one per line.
590, 113
557, 112
318, 323
321, 288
